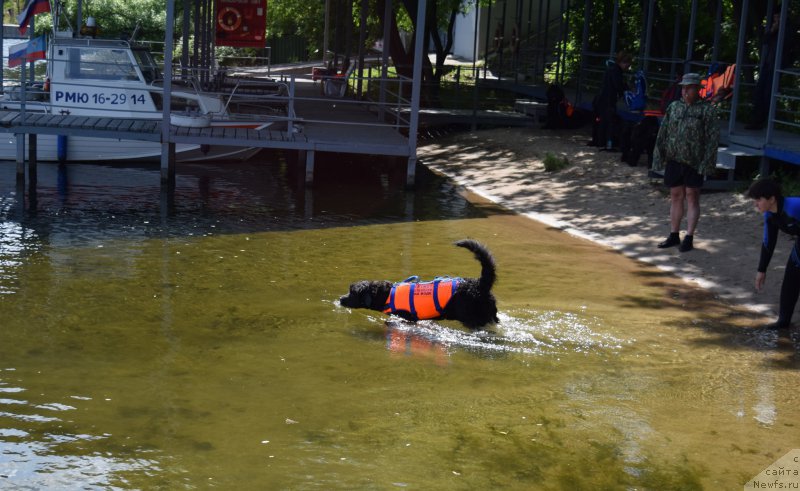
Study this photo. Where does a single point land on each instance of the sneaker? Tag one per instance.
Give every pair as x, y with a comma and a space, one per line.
687, 244
672, 241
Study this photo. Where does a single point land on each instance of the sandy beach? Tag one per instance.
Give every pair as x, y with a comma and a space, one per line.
606, 201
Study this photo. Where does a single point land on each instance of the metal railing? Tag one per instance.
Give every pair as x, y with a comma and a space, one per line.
786, 114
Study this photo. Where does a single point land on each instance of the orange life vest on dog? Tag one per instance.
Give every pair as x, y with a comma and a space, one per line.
423, 300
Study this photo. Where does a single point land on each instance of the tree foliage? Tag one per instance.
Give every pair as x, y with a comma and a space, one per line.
301, 18
670, 26
115, 18
118, 18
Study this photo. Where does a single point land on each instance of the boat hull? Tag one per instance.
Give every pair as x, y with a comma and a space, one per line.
87, 149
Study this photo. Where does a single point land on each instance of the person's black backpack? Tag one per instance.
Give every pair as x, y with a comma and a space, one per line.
559, 109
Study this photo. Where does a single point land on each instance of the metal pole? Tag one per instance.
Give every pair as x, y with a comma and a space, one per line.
362, 37
31, 35
562, 52
486, 46
167, 147
2, 43
475, 69
185, 49
545, 39
387, 16
205, 51
539, 52
327, 29
416, 89
687, 62
648, 34
738, 74
78, 16
676, 31
530, 17
517, 41
196, 49
587, 14
502, 39
614, 23
717, 33
762, 54
777, 68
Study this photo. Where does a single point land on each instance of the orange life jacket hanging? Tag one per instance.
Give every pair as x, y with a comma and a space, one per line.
426, 300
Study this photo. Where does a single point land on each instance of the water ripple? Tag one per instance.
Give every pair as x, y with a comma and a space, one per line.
525, 332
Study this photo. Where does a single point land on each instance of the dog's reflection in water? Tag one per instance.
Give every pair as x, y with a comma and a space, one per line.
401, 341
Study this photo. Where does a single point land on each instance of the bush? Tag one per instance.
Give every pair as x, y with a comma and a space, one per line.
553, 163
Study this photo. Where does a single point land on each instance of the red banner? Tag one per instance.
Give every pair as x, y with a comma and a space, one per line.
241, 23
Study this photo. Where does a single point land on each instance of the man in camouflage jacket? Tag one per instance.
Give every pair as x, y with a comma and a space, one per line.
686, 150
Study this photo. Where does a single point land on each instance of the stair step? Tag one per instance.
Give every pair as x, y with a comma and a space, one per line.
726, 156
530, 107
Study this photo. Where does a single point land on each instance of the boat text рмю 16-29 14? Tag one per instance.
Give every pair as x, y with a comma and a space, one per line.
112, 99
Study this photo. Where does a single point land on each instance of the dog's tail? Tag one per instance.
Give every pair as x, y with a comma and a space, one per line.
482, 254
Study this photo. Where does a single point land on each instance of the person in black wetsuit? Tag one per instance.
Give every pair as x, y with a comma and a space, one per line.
605, 103
780, 213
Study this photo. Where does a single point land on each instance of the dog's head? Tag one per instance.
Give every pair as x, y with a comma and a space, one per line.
367, 295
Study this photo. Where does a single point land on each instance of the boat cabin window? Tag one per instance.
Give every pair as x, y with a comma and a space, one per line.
102, 64
147, 64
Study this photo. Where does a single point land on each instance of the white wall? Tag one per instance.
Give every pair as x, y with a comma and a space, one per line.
464, 36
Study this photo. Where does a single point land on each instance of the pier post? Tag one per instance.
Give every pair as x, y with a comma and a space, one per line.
20, 156
411, 171
168, 165
32, 160
309, 154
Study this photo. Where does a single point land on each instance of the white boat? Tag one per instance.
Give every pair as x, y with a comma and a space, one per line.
115, 79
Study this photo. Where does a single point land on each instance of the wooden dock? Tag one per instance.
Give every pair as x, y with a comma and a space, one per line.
313, 123
326, 125
56, 124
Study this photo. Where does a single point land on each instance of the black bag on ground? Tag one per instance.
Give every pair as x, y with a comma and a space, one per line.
560, 112
641, 139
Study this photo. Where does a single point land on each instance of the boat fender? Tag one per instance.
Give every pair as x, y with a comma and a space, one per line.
229, 18
61, 148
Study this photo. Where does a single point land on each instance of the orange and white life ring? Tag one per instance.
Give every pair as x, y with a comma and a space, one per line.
229, 18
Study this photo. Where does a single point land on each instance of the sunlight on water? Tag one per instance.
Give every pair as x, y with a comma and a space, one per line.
33, 459
12, 248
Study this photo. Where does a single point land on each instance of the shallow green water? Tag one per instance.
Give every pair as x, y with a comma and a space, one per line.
200, 345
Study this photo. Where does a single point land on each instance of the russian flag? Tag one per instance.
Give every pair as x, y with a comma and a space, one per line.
28, 51
32, 7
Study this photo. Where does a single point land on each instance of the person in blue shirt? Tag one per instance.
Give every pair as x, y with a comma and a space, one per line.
780, 214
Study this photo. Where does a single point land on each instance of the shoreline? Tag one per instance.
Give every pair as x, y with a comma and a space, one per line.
603, 200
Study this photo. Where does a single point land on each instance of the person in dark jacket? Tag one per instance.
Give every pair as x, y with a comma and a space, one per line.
780, 214
605, 103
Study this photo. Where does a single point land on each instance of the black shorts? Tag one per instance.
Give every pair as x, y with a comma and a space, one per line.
678, 174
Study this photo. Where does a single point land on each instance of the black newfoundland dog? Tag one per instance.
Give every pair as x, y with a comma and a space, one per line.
468, 300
